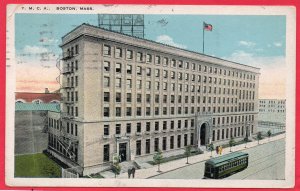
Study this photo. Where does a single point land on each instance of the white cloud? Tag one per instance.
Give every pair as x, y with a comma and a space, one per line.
34, 49
246, 43
277, 44
165, 39
272, 81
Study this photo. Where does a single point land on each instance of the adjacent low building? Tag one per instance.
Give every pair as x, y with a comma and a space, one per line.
272, 113
130, 97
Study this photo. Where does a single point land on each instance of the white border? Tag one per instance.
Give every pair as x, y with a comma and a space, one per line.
290, 14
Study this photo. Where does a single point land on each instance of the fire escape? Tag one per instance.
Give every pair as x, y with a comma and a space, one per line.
65, 139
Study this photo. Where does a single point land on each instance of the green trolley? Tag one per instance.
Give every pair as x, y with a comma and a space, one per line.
226, 165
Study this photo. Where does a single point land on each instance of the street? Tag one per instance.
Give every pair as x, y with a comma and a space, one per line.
266, 162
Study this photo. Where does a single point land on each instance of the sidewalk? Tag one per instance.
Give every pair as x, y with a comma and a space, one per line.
176, 164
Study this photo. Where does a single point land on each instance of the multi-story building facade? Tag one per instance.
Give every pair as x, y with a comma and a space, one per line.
131, 97
272, 112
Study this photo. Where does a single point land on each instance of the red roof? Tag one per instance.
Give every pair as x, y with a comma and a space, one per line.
28, 97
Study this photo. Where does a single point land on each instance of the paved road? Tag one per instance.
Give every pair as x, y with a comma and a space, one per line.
266, 162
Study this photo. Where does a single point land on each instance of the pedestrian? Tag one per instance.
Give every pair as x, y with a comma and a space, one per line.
129, 172
133, 172
217, 150
220, 150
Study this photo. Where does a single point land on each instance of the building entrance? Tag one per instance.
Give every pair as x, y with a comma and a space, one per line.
123, 151
202, 134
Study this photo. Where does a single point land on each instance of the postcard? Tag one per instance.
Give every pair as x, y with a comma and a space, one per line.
150, 96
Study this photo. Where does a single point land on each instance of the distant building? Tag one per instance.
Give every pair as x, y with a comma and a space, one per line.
30, 97
130, 97
272, 112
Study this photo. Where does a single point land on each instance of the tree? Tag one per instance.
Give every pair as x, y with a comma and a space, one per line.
116, 168
158, 158
231, 143
269, 134
259, 137
188, 153
211, 148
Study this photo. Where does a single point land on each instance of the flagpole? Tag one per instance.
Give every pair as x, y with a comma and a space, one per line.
203, 38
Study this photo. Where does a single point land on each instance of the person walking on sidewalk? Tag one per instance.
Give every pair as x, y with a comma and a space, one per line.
217, 150
133, 172
129, 172
220, 150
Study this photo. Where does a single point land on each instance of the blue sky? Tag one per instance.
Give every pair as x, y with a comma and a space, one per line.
253, 40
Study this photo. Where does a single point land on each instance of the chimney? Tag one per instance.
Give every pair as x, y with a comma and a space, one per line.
46, 91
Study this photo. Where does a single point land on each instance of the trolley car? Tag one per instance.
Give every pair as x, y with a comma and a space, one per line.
226, 165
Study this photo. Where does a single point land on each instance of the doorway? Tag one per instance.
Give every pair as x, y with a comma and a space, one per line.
202, 134
123, 151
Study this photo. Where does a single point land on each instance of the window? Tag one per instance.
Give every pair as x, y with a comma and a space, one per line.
118, 53
148, 98
139, 56
106, 111
128, 128
165, 74
138, 147
156, 144
106, 66
118, 67
192, 138
156, 126
106, 153
128, 98
166, 62
178, 141
172, 125
173, 63
156, 72
157, 85
148, 111
106, 129
129, 69
187, 65
148, 58
148, 71
106, 96
180, 64
129, 83
172, 75
106, 81
76, 49
165, 98
164, 125
156, 110
164, 146
118, 82
148, 127
107, 50
138, 111
129, 54
139, 84
138, 127
185, 139
157, 59
147, 146
156, 98
118, 129
165, 86
172, 142
148, 85
118, 111
139, 70
139, 98
179, 124
118, 97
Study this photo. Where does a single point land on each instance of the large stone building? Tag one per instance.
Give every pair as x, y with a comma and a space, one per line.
130, 97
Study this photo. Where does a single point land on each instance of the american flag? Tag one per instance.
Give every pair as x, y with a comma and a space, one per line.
207, 27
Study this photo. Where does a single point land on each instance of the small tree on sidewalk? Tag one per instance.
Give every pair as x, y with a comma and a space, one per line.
269, 134
116, 168
259, 137
211, 148
188, 153
158, 158
231, 143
